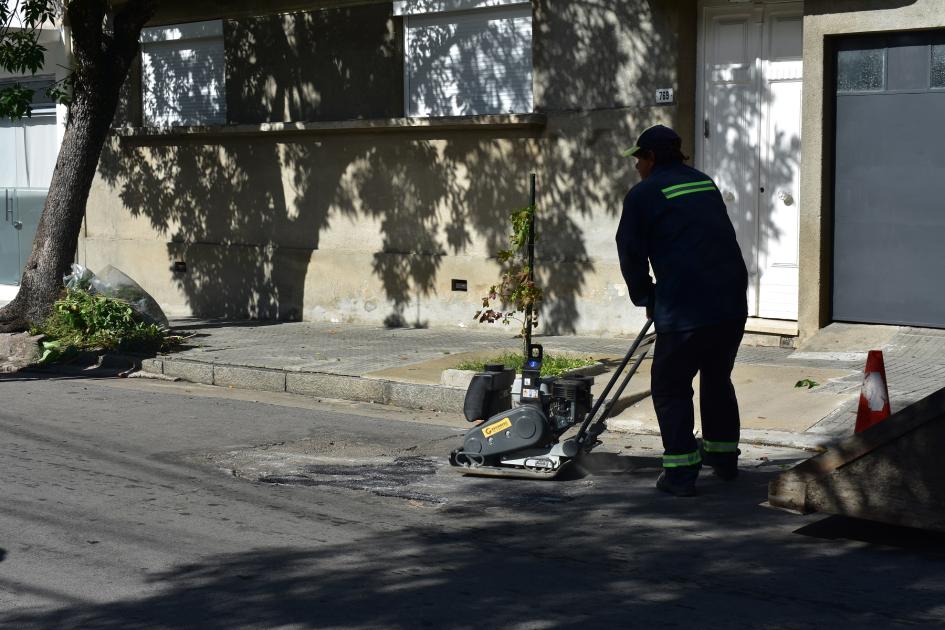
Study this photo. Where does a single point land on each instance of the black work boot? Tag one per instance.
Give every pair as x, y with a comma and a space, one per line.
679, 481
724, 465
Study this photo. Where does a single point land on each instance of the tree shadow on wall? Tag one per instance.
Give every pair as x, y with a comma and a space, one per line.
594, 64
248, 216
252, 216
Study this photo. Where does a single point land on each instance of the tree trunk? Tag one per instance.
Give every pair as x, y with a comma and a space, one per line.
102, 62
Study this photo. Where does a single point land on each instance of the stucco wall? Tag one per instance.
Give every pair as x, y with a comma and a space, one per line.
823, 21
600, 56
372, 226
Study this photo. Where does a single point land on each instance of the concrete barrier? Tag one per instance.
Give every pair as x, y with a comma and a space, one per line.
894, 472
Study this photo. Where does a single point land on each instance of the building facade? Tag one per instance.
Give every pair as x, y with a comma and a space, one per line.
358, 161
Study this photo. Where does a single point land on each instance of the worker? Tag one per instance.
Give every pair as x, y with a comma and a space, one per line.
674, 220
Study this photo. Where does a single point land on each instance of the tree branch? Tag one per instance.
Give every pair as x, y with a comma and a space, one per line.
87, 18
128, 21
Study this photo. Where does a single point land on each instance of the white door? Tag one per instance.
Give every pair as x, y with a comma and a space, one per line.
751, 141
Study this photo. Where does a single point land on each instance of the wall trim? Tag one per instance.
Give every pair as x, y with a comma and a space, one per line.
386, 125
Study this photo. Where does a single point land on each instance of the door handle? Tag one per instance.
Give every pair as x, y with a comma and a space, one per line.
786, 197
7, 206
18, 225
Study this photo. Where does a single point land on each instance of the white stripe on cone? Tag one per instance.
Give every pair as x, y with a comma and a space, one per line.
875, 391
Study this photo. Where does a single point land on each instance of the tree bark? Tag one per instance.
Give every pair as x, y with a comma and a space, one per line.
102, 60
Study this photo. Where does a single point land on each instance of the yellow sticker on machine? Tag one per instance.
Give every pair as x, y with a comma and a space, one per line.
498, 427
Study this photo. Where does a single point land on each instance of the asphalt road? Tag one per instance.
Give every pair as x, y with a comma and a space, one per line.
134, 504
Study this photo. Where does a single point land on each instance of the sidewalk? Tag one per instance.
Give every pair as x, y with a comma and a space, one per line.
403, 367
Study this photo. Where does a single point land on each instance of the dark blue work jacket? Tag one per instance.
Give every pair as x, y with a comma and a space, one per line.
676, 220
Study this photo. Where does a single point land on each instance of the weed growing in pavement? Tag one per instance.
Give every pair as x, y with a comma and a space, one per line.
551, 365
83, 321
516, 291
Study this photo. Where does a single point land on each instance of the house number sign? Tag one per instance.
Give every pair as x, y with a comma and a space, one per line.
664, 96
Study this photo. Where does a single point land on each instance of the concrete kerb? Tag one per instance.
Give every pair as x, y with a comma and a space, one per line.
406, 395
192, 371
249, 378
313, 384
322, 385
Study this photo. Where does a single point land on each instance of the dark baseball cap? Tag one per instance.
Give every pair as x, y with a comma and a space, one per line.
653, 139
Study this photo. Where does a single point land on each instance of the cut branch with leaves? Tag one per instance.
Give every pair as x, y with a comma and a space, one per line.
516, 297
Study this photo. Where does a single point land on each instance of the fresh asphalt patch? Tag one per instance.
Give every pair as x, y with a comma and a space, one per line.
394, 479
410, 464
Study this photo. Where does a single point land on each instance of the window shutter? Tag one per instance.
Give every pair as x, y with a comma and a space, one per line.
419, 7
183, 75
8, 155
470, 62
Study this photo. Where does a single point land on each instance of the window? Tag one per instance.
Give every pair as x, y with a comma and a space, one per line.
467, 57
861, 70
41, 103
29, 146
182, 74
938, 66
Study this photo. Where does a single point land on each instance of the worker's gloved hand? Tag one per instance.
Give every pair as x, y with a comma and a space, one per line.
651, 300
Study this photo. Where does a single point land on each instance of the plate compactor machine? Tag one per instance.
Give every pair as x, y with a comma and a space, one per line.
526, 441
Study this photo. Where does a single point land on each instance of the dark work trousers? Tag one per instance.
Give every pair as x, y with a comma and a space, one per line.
677, 358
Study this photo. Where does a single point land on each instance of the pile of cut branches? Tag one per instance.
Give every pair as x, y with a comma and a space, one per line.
84, 321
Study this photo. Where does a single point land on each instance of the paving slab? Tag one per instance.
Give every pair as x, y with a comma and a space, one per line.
843, 338
430, 371
768, 399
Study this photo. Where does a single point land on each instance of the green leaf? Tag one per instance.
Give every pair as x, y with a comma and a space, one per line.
808, 383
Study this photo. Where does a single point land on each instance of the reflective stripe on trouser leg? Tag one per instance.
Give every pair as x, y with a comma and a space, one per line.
720, 447
677, 461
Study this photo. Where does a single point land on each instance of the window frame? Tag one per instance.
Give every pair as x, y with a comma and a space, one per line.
884, 84
446, 9
932, 48
184, 32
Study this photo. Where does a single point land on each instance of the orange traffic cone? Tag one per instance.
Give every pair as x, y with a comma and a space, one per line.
874, 395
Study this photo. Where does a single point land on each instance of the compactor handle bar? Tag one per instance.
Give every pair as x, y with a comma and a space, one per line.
583, 432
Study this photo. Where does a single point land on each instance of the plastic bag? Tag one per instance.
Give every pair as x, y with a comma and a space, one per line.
80, 279
114, 283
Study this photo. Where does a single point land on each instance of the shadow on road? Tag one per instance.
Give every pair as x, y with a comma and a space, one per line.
41, 375
607, 551
882, 534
